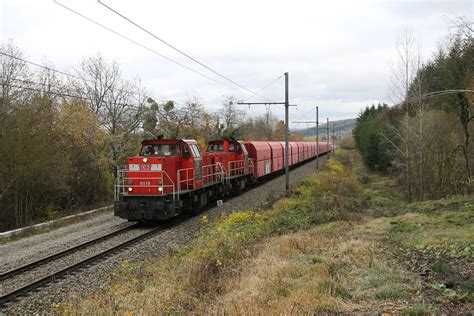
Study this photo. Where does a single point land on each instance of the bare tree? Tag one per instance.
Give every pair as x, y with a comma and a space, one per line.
194, 108
119, 105
168, 118
463, 29
14, 77
97, 80
403, 72
419, 133
48, 83
231, 116
123, 108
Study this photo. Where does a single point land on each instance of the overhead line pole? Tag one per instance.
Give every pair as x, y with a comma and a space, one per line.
287, 105
317, 134
333, 138
317, 137
287, 129
327, 137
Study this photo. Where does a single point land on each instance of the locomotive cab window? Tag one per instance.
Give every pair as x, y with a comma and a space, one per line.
195, 151
215, 147
162, 150
186, 153
234, 147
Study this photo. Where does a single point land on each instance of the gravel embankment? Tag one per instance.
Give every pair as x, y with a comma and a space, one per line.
100, 275
39, 272
28, 249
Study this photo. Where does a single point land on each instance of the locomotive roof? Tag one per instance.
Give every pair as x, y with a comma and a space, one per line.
167, 141
222, 140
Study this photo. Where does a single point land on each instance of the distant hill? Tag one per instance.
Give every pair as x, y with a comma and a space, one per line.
341, 127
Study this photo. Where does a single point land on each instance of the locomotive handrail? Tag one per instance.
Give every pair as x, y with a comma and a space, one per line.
122, 177
116, 191
222, 171
216, 175
214, 172
188, 179
251, 166
237, 168
120, 184
172, 184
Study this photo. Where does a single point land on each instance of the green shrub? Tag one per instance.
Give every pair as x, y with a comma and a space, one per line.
347, 142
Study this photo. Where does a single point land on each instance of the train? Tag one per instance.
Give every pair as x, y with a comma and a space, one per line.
172, 176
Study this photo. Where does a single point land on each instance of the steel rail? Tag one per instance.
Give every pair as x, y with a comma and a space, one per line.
63, 253
55, 275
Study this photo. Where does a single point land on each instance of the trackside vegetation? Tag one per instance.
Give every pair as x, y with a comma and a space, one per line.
338, 243
425, 139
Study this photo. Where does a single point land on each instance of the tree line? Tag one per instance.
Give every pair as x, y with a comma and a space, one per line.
425, 139
63, 136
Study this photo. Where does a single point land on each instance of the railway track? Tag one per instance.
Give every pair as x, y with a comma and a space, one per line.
25, 288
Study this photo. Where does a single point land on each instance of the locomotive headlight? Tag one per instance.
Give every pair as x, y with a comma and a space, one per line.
145, 160
130, 189
160, 189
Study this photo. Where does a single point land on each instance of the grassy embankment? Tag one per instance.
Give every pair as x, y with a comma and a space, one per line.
343, 241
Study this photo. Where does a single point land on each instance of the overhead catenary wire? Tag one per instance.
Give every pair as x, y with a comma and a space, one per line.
437, 93
303, 114
66, 94
55, 70
45, 92
69, 94
41, 66
25, 81
180, 51
145, 47
265, 87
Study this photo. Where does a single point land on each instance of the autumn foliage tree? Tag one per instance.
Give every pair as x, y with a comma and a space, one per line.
56, 151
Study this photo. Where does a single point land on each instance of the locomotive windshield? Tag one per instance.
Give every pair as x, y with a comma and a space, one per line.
162, 150
215, 147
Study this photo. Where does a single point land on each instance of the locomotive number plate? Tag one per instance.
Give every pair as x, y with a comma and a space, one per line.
144, 167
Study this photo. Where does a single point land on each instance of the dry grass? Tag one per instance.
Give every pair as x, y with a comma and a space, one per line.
325, 269
328, 268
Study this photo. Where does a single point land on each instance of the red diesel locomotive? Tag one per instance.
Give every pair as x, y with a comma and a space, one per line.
169, 177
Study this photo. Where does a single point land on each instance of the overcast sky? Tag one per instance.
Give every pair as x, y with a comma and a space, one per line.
338, 53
